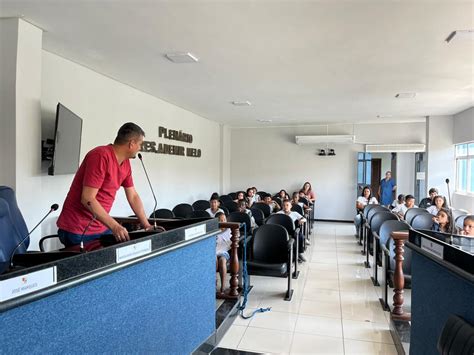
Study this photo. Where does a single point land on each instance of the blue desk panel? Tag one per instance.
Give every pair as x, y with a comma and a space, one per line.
436, 294
163, 305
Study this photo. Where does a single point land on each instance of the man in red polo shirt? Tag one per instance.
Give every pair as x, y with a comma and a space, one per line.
102, 172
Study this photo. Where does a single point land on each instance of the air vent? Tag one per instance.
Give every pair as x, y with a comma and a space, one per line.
348, 139
395, 148
241, 103
405, 95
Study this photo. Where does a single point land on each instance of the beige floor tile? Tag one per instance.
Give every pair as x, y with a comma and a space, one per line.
317, 294
367, 331
324, 326
322, 309
328, 284
368, 348
316, 344
274, 320
266, 340
322, 267
232, 337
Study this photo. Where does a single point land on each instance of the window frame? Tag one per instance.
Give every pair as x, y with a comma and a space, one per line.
469, 159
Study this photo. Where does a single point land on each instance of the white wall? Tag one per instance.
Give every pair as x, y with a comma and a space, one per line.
440, 153
270, 159
406, 173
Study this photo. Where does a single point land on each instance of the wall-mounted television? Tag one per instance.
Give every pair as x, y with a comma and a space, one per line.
67, 142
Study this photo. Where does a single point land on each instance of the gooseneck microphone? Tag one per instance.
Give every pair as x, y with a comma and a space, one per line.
94, 217
450, 208
151, 188
53, 208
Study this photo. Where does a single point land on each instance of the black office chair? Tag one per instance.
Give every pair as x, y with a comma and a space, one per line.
201, 205
278, 200
377, 220
257, 215
261, 194
369, 211
198, 214
262, 207
286, 221
225, 198
272, 254
182, 210
422, 221
226, 211
412, 212
232, 195
425, 203
163, 213
385, 232
241, 217
231, 206
304, 201
457, 337
459, 221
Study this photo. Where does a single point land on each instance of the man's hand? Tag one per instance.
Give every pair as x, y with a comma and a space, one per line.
120, 233
148, 227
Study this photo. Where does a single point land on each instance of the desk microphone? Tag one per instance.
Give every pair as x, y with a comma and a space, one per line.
450, 208
53, 208
94, 217
151, 188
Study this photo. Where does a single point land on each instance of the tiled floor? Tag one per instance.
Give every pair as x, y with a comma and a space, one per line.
335, 308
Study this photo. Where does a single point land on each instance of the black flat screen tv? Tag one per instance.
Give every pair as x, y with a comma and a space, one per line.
67, 142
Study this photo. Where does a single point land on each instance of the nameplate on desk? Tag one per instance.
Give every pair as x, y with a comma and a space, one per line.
432, 247
28, 283
194, 232
133, 251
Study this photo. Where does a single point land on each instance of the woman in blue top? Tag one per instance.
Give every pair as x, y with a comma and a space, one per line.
387, 186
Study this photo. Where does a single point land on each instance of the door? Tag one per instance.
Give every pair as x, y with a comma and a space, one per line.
364, 169
376, 176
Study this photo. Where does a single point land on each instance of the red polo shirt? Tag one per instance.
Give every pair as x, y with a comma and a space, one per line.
101, 170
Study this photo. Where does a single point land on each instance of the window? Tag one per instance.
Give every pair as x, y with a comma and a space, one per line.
465, 168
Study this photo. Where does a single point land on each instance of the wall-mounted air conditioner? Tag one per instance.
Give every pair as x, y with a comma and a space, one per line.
344, 139
395, 148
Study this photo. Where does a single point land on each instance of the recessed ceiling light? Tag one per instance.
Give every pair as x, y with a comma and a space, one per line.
384, 116
182, 57
241, 103
405, 95
265, 120
460, 34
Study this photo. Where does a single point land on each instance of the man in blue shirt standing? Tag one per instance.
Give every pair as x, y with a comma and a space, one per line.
386, 188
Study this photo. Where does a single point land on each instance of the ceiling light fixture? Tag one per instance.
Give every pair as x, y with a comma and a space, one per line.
241, 103
460, 34
182, 57
264, 121
405, 95
384, 116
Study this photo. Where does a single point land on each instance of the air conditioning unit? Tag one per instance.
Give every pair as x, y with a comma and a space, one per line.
395, 148
344, 139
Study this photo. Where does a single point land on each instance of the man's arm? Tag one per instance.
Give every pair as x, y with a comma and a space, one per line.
136, 204
88, 199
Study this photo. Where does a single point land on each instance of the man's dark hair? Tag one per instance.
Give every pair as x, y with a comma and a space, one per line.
409, 197
218, 214
127, 132
432, 190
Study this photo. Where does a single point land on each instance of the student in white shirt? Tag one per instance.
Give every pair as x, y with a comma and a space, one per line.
214, 209
223, 243
402, 209
274, 206
363, 200
242, 207
439, 202
295, 216
399, 201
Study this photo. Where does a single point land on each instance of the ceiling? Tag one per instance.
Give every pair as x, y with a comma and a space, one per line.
297, 62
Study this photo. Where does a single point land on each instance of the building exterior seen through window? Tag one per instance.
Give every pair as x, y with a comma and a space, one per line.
465, 167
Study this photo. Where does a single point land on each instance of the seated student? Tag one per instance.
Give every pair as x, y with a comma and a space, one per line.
295, 216
242, 207
274, 206
251, 197
240, 196
399, 201
308, 192
214, 209
438, 203
428, 201
214, 195
363, 200
442, 221
283, 195
223, 244
295, 200
402, 209
468, 226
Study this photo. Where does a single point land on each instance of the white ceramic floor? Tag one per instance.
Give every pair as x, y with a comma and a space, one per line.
335, 308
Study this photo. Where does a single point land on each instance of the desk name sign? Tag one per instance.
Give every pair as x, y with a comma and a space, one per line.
432, 248
132, 251
27, 283
171, 134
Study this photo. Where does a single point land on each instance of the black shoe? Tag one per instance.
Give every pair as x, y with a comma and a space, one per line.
301, 257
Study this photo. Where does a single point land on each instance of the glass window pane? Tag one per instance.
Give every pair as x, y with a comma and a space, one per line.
368, 156
461, 175
360, 172
360, 156
471, 168
470, 149
368, 172
461, 150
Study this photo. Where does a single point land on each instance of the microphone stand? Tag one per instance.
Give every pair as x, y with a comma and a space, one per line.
151, 188
94, 217
53, 208
450, 211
